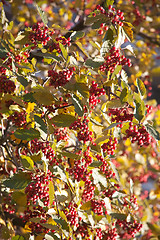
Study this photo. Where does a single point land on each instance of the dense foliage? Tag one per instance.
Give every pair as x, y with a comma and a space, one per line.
79, 139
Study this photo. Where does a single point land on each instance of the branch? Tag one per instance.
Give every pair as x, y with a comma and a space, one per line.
150, 38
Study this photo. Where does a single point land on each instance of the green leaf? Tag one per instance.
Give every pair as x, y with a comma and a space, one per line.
120, 216
27, 162
42, 15
3, 52
18, 181
116, 71
77, 105
63, 49
141, 87
63, 120
90, 19
70, 155
109, 35
140, 107
112, 125
94, 64
82, 88
29, 97
22, 80
124, 95
27, 134
63, 223
36, 157
47, 55
97, 24
115, 103
109, 2
18, 237
152, 131
95, 164
40, 92
77, 35
41, 123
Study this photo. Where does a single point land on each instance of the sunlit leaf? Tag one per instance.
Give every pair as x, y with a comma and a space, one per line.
78, 105
141, 87
77, 35
27, 162
42, 15
152, 131
124, 95
63, 49
128, 30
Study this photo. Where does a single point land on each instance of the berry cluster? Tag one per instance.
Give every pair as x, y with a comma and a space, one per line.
8, 59
128, 226
148, 86
7, 203
105, 167
72, 215
55, 45
61, 134
60, 78
109, 193
97, 206
138, 134
6, 85
83, 133
37, 190
79, 172
110, 146
88, 192
37, 212
18, 119
45, 147
116, 17
113, 60
111, 234
137, 15
120, 115
94, 93
39, 34
83, 231
99, 234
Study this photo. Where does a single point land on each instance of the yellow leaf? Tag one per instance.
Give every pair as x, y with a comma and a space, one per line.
86, 206
20, 198
51, 221
30, 107
51, 193
128, 29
